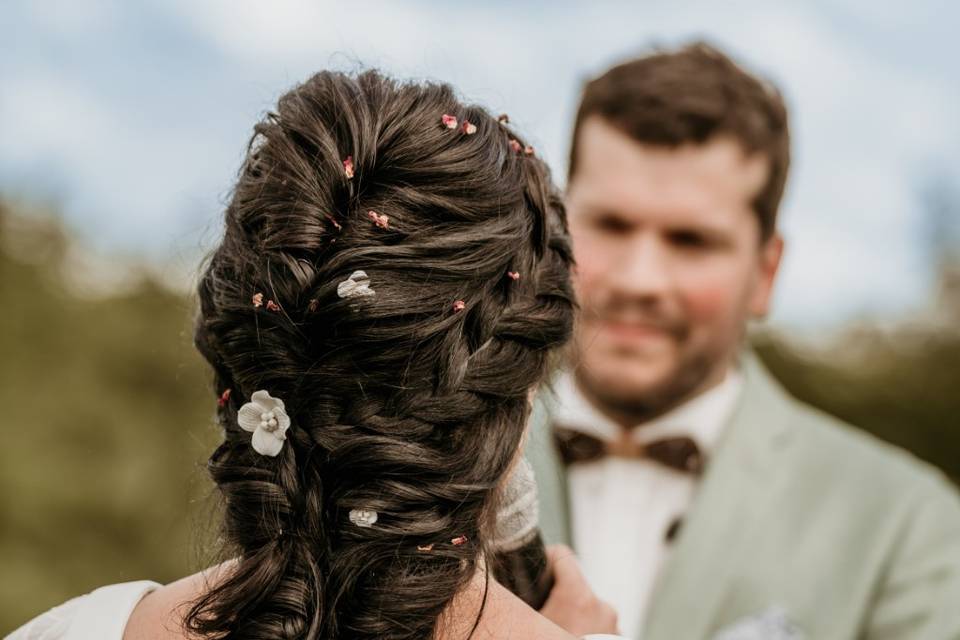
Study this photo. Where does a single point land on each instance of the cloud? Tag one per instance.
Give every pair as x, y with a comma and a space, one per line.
138, 173
125, 184
70, 19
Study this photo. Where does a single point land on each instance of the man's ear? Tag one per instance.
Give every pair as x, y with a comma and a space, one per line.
767, 267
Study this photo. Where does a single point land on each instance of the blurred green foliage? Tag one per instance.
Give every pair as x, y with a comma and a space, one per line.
108, 419
902, 385
107, 423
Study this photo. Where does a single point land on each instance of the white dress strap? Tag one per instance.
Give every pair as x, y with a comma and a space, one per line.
105, 613
101, 614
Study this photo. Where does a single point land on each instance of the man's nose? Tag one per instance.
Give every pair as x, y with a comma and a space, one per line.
645, 268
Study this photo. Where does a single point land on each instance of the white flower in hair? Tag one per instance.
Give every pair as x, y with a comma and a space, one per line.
266, 417
363, 517
358, 284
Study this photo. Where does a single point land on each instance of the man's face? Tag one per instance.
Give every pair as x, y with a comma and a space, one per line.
670, 265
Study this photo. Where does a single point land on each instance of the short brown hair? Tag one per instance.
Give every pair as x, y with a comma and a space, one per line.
688, 96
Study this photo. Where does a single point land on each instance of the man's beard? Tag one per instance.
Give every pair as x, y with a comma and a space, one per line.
640, 405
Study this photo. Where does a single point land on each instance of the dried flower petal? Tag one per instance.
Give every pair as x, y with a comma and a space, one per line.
224, 397
503, 118
272, 306
333, 221
515, 145
459, 540
425, 547
469, 128
258, 300
459, 305
381, 221
449, 121
313, 305
348, 167
513, 275
528, 150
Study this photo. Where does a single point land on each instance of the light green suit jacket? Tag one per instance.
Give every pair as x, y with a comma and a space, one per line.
851, 537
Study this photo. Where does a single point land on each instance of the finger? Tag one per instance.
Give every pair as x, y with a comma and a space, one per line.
565, 566
614, 619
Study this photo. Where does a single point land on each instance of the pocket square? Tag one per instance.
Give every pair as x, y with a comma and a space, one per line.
771, 624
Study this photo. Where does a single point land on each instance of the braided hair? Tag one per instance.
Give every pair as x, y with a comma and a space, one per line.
410, 401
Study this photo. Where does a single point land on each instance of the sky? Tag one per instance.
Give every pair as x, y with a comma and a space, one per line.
133, 116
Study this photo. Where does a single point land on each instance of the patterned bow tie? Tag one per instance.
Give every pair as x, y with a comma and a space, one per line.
680, 453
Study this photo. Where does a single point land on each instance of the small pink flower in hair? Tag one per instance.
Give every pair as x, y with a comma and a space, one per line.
528, 150
272, 306
348, 167
449, 121
515, 145
469, 128
459, 540
257, 300
381, 221
503, 118
333, 221
224, 397
459, 306
513, 275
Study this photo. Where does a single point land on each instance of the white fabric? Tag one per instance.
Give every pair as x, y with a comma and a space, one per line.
101, 614
620, 508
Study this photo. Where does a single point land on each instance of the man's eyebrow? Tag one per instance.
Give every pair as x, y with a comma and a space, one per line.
696, 227
601, 209
708, 232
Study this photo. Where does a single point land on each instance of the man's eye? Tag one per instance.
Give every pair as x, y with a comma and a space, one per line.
689, 239
612, 225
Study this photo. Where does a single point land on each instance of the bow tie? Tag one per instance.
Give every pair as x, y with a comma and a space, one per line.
680, 453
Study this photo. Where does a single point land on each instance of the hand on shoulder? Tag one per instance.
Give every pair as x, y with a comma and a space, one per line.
572, 604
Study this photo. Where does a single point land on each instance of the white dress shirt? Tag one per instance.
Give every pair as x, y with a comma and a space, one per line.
621, 508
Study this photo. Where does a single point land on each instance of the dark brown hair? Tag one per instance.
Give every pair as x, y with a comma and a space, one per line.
399, 402
671, 98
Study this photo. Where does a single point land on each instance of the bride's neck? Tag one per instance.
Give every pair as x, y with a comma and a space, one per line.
496, 612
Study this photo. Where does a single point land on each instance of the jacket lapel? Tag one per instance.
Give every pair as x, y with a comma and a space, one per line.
738, 481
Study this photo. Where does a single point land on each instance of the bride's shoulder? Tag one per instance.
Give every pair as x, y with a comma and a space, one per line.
101, 614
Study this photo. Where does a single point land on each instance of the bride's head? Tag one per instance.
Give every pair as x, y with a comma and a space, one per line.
395, 269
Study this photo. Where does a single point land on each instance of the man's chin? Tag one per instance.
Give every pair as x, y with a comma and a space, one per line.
640, 392
631, 381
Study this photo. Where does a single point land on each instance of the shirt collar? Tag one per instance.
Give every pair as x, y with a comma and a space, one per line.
702, 417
